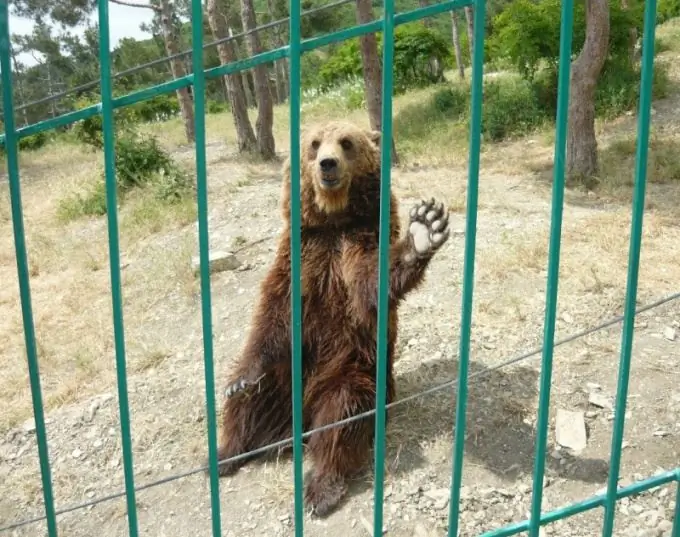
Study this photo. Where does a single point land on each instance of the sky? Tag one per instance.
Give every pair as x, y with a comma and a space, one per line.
124, 21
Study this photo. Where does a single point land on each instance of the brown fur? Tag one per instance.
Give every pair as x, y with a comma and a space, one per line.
339, 287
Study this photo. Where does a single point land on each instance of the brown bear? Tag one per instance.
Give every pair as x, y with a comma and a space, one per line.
340, 209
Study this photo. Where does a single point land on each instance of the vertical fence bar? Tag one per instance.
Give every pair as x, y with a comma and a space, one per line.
644, 118
114, 260
566, 31
468, 263
11, 148
383, 265
676, 520
295, 258
204, 249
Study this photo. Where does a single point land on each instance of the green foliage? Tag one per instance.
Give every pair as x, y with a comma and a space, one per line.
510, 107
667, 9
34, 141
617, 91
140, 163
420, 56
160, 108
217, 107
528, 33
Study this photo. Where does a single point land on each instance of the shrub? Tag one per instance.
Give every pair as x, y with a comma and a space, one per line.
90, 131
667, 9
510, 108
617, 91
34, 141
140, 162
420, 56
217, 107
160, 108
453, 101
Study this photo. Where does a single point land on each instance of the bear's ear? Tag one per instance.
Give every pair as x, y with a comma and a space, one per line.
374, 136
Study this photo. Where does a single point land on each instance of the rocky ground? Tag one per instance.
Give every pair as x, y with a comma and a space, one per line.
168, 404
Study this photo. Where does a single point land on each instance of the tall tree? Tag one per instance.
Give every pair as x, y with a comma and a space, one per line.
165, 10
219, 25
372, 71
280, 66
456, 44
264, 124
470, 29
581, 140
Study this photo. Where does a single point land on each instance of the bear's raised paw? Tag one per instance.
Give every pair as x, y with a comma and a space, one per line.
428, 228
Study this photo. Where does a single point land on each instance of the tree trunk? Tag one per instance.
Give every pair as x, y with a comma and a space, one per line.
372, 72
279, 66
239, 107
456, 44
20, 84
470, 30
265, 109
581, 141
172, 47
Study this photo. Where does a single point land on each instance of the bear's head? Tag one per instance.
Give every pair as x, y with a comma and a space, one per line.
332, 156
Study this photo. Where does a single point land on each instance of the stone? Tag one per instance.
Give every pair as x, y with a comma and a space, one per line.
218, 261
669, 333
570, 429
600, 400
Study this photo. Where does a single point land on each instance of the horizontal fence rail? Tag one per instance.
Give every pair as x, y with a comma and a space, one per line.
296, 47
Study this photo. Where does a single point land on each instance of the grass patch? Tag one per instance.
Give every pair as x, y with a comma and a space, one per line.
617, 163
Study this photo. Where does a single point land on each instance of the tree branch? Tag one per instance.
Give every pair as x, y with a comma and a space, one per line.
134, 4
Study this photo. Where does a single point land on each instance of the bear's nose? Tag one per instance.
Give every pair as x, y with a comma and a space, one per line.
328, 164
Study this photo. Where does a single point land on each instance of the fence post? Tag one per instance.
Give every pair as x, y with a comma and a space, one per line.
644, 119
11, 148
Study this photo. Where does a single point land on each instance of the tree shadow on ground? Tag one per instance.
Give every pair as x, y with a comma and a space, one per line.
499, 428
499, 432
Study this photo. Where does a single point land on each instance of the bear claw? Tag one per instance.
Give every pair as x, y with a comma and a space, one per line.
241, 384
429, 227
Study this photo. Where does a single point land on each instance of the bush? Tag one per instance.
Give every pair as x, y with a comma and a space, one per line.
34, 141
140, 163
217, 107
667, 9
510, 108
420, 56
617, 92
160, 108
90, 131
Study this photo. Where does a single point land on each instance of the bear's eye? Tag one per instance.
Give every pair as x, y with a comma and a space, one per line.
316, 144
346, 144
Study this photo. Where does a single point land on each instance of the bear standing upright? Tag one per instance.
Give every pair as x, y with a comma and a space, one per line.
340, 213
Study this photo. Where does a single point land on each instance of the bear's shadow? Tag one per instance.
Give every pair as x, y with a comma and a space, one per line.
499, 432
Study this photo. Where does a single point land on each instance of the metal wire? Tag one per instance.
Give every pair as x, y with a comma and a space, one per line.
182, 54
284, 443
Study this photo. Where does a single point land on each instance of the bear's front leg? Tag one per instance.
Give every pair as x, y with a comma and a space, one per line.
409, 257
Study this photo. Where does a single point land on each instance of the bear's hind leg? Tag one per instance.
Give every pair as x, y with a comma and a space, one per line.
252, 419
343, 451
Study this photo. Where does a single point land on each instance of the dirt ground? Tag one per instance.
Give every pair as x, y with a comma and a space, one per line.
166, 385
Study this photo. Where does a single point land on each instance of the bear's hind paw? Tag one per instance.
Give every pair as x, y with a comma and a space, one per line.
323, 495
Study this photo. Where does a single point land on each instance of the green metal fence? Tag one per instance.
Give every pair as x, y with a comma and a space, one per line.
293, 51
